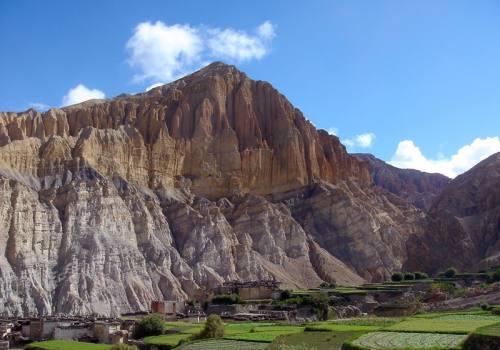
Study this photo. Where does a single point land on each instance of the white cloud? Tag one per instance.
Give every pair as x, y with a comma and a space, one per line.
164, 53
39, 106
408, 155
333, 131
152, 86
81, 93
361, 141
266, 31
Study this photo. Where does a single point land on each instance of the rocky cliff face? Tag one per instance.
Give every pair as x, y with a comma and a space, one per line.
419, 188
463, 228
109, 204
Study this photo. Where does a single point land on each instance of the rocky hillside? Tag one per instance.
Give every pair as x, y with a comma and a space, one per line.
109, 204
417, 187
463, 228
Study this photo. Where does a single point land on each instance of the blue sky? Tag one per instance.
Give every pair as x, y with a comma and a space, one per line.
416, 83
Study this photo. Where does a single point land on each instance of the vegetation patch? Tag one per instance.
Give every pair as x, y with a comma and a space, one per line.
339, 327
316, 340
223, 344
261, 337
166, 340
438, 326
403, 340
484, 338
66, 345
474, 317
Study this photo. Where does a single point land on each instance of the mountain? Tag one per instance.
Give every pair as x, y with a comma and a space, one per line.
417, 187
109, 204
463, 228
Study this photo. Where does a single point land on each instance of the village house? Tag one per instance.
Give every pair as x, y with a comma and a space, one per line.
169, 308
251, 290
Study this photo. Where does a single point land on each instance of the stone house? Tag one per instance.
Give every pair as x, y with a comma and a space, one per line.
73, 331
251, 290
105, 331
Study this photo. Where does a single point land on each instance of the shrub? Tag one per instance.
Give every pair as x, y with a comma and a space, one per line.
214, 328
328, 285
150, 325
496, 275
286, 294
226, 299
450, 272
421, 275
397, 277
408, 276
485, 306
123, 347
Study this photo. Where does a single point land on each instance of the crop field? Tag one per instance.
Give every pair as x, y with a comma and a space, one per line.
261, 337
439, 326
183, 327
492, 330
166, 339
468, 317
66, 345
330, 326
314, 340
223, 344
402, 340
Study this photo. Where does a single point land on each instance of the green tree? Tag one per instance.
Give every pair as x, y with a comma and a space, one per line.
450, 272
408, 276
150, 325
421, 275
397, 277
214, 328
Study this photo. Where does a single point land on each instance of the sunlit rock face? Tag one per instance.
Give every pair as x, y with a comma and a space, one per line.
109, 204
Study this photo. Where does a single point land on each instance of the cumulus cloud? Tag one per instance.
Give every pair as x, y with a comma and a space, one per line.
162, 52
81, 93
361, 141
408, 155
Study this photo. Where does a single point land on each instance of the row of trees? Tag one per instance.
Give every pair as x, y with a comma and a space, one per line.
408, 276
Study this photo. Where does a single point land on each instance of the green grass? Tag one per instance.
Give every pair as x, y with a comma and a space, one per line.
223, 344
340, 327
184, 327
245, 327
166, 339
263, 337
491, 330
439, 326
468, 317
314, 340
66, 345
403, 340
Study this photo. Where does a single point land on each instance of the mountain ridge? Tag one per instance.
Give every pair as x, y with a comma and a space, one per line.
107, 205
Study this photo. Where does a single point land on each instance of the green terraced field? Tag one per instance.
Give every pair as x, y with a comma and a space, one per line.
166, 339
403, 340
262, 337
314, 340
433, 325
469, 317
223, 344
492, 330
330, 326
66, 345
